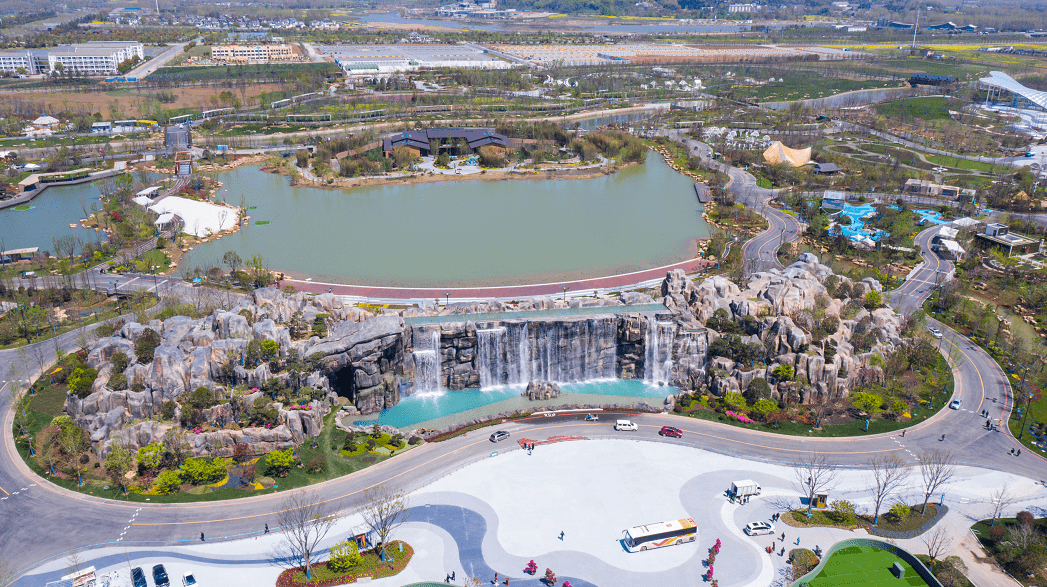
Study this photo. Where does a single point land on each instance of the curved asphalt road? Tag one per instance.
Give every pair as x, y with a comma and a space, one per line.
40, 521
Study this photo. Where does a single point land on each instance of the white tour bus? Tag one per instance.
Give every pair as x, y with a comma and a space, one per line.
661, 534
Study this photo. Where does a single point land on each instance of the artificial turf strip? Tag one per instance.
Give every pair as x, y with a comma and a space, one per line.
862, 565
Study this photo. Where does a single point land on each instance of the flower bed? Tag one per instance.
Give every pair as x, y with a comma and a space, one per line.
369, 566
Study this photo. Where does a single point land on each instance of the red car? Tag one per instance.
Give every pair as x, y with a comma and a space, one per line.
670, 431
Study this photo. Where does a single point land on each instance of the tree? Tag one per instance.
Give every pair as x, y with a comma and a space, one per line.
232, 261
305, 521
843, 512
150, 456
815, 473
1001, 499
279, 462
176, 445
75, 443
384, 512
47, 447
889, 473
937, 469
937, 542
118, 463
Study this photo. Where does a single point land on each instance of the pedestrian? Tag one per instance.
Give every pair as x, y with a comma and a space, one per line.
453, 574
783, 537
201, 537
903, 432
495, 578
1019, 452
507, 580
561, 534
797, 540
267, 528
447, 578
773, 544
782, 553
1012, 451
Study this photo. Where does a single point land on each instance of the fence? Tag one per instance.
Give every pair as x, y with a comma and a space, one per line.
868, 542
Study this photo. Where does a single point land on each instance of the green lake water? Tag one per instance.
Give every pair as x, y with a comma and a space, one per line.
464, 233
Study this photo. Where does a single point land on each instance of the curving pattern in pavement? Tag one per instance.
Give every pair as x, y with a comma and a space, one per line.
40, 521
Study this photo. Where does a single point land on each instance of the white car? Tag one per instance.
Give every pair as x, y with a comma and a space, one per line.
936, 333
757, 528
626, 425
188, 580
955, 404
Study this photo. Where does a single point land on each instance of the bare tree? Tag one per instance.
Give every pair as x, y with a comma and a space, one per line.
937, 542
7, 574
1022, 535
1001, 499
815, 473
889, 473
937, 469
305, 521
384, 512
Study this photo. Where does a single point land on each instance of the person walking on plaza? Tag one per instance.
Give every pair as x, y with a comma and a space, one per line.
267, 528
561, 534
201, 537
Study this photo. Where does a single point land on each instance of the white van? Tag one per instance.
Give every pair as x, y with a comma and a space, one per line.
626, 425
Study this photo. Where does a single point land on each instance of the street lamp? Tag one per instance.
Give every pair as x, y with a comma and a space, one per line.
1025, 414
565, 288
447, 298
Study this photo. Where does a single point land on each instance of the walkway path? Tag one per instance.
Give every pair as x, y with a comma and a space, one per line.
576, 288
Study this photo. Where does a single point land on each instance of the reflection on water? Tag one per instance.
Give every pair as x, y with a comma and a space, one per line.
465, 233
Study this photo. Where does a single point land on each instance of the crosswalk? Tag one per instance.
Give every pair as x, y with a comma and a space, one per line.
129, 524
14, 493
902, 446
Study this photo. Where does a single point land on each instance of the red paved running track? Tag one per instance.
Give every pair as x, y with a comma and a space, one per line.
509, 291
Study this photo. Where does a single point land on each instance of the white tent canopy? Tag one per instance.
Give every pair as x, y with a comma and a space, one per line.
201, 218
164, 218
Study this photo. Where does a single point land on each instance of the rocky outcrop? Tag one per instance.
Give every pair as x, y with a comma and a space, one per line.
539, 390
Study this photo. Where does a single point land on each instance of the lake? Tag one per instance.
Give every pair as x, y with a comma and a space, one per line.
465, 233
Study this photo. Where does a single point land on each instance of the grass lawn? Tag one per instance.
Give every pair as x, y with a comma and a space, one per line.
957, 163
224, 72
929, 108
864, 565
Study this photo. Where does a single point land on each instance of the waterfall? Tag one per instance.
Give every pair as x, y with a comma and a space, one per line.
517, 354
658, 352
489, 361
427, 359
573, 350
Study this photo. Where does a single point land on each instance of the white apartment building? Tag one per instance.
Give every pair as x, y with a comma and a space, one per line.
96, 58
741, 8
11, 61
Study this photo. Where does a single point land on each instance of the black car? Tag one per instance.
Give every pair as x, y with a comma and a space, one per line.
160, 576
138, 578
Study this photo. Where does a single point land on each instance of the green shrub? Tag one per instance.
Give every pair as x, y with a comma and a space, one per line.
146, 345
199, 471
344, 556
269, 349
120, 361
279, 462
396, 441
81, 380
867, 402
899, 511
843, 512
167, 412
803, 560
783, 372
415, 440
167, 482
117, 382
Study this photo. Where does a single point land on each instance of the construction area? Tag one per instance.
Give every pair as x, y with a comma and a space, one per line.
360, 59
